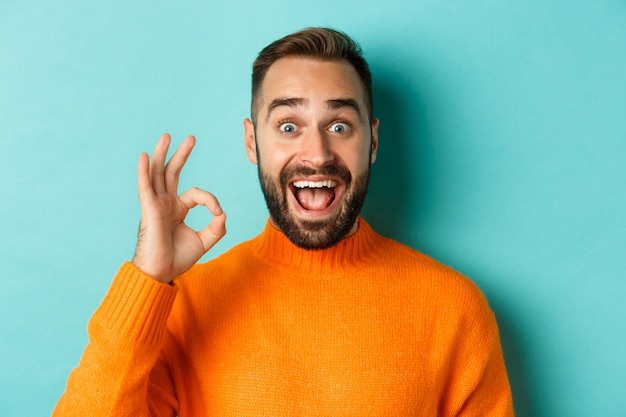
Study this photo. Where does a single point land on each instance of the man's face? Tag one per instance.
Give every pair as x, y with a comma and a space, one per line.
314, 144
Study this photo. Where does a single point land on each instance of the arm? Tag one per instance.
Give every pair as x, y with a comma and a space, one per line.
119, 373
478, 384
490, 390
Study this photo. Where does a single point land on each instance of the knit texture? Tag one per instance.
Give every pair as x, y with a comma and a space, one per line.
368, 327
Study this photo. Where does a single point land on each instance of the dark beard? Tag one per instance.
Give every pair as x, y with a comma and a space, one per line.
314, 234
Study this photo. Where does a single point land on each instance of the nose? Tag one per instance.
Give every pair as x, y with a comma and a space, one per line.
316, 149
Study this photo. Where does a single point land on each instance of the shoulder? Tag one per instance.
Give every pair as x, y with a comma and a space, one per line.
400, 256
435, 281
238, 257
207, 280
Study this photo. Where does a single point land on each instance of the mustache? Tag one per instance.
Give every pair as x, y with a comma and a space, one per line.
331, 170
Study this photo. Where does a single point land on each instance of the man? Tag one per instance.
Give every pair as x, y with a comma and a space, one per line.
318, 315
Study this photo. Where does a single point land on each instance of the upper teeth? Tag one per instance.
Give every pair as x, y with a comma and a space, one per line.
314, 184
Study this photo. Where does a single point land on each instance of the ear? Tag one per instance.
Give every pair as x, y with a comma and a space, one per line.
249, 140
374, 150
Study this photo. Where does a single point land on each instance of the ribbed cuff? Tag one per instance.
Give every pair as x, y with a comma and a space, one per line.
135, 308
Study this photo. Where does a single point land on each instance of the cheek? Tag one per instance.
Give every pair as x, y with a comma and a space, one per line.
357, 159
273, 160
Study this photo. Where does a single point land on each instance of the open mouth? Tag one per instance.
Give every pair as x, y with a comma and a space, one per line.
314, 196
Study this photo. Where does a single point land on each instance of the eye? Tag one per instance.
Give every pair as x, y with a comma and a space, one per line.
287, 127
339, 127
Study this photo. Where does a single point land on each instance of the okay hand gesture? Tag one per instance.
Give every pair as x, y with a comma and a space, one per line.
166, 246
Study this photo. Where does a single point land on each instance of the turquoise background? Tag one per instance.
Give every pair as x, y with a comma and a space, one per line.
502, 153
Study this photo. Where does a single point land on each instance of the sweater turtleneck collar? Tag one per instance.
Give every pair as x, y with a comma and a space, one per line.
273, 247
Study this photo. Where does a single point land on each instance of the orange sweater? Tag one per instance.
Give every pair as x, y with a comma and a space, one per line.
366, 328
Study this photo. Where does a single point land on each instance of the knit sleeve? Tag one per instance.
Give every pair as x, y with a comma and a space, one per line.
120, 365
479, 384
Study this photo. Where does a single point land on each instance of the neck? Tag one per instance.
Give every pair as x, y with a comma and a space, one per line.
357, 248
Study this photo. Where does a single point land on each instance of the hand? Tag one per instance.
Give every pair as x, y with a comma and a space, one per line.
166, 246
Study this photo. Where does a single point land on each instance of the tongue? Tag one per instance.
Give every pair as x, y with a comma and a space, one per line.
315, 198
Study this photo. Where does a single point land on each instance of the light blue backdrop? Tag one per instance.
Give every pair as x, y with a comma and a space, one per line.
502, 153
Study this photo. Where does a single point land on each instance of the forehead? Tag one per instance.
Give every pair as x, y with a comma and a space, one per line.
314, 80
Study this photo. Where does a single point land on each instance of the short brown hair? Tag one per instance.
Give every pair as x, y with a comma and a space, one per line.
319, 43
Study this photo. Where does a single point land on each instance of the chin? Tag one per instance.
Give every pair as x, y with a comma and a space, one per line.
313, 233
308, 229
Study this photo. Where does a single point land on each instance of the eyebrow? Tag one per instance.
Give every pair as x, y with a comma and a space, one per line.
340, 103
334, 104
284, 102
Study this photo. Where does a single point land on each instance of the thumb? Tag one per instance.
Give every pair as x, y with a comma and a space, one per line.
216, 229
211, 234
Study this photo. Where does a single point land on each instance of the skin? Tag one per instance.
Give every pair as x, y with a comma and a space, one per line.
307, 132
312, 114
166, 246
